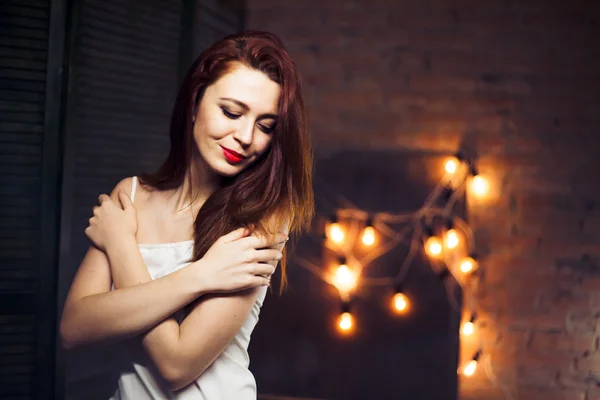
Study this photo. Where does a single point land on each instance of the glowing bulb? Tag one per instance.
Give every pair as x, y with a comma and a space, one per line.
433, 247
400, 302
345, 321
368, 237
479, 185
467, 265
451, 165
468, 328
470, 368
345, 279
452, 239
336, 233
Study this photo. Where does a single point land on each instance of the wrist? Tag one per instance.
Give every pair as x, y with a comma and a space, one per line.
195, 275
120, 247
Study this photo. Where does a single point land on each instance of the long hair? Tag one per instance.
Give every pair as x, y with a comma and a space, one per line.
278, 186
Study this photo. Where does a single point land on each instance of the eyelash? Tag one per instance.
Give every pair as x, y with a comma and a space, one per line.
231, 115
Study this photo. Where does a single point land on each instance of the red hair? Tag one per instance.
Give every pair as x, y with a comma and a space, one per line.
278, 187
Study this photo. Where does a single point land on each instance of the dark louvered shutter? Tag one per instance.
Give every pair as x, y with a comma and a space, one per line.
23, 59
215, 19
123, 85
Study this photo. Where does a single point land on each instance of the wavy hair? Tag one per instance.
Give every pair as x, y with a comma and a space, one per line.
278, 186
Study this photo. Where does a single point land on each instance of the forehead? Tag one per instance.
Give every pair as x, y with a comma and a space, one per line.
249, 86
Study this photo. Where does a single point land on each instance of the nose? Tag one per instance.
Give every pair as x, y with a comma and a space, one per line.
244, 134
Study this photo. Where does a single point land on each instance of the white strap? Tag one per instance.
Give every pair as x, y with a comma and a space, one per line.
133, 187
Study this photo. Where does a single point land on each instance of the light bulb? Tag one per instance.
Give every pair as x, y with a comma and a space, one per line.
368, 237
336, 233
451, 165
467, 265
400, 302
468, 328
451, 239
433, 247
470, 368
345, 321
345, 278
479, 185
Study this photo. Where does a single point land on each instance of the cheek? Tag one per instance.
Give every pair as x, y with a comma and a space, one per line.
214, 128
262, 143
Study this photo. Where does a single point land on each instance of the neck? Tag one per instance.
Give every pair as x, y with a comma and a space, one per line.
199, 183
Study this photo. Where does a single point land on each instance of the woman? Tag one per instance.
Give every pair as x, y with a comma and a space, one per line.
211, 223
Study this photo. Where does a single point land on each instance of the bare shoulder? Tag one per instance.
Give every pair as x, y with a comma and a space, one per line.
127, 185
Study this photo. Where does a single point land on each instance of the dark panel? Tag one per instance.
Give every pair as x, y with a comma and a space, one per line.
24, 29
296, 349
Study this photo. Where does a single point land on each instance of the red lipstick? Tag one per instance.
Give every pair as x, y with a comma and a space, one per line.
232, 156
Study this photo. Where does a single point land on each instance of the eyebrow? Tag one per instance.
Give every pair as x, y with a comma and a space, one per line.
247, 108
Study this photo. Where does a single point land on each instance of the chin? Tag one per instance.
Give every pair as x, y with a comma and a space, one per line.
225, 169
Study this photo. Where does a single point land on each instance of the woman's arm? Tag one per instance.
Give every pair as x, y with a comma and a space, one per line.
181, 353
95, 314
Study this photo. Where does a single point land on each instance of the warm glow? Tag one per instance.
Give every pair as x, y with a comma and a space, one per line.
467, 265
479, 185
470, 368
451, 165
345, 278
400, 302
433, 247
452, 239
468, 328
345, 321
368, 237
336, 233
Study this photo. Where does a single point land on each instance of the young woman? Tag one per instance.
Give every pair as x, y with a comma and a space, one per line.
182, 257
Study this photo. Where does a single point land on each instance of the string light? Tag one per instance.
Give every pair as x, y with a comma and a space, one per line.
469, 327
467, 264
345, 319
451, 238
462, 172
451, 165
345, 279
399, 301
479, 185
368, 237
433, 244
471, 366
335, 232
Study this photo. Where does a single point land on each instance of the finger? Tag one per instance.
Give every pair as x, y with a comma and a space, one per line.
235, 235
256, 281
95, 210
125, 200
102, 198
264, 270
265, 241
266, 255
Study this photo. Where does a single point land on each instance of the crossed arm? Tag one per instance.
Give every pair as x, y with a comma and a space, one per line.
181, 352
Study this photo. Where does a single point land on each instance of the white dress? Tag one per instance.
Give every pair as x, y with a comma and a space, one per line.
227, 378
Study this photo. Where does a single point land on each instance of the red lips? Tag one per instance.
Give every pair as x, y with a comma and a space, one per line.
233, 156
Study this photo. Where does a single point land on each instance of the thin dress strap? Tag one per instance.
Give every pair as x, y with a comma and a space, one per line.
133, 187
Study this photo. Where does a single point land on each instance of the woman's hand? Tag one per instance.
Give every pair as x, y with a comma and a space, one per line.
112, 222
238, 261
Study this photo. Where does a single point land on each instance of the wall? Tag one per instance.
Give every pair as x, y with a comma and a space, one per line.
516, 83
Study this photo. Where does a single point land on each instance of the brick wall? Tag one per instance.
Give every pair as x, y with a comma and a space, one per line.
516, 82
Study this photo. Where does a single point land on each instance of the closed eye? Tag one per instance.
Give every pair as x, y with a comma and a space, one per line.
229, 114
266, 129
